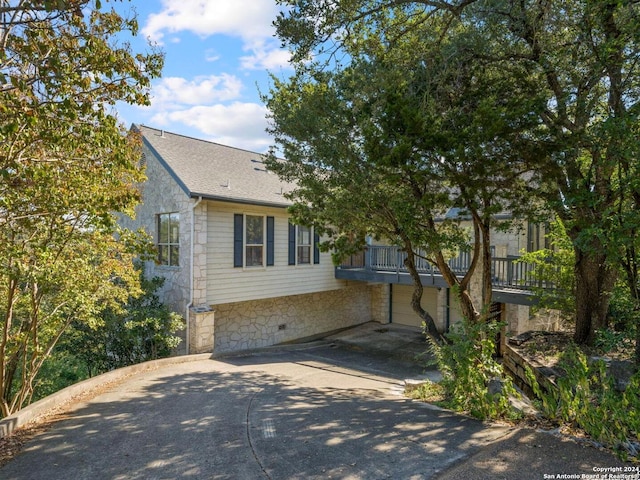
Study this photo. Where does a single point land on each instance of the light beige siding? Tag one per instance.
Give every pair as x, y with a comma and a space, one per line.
226, 284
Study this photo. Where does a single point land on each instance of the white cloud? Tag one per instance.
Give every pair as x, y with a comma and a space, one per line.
172, 91
216, 107
211, 55
265, 56
238, 124
247, 19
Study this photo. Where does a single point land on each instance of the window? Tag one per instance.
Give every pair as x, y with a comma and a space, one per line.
169, 239
533, 237
302, 242
253, 240
304, 245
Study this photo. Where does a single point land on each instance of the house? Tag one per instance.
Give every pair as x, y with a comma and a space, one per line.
234, 266
244, 277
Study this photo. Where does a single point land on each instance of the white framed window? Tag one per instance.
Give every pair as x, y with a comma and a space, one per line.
169, 239
304, 240
254, 240
303, 245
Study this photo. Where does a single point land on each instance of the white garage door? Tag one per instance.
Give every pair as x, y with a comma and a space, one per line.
401, 310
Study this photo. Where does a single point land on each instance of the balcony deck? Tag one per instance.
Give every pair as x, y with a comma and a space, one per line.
513, 280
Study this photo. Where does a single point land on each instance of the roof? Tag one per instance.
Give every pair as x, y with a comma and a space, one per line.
216, 172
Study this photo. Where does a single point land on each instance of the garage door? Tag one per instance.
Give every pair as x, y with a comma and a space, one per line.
401, 310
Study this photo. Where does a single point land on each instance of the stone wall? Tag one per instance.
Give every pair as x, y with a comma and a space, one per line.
161, 194
260, 323
201, 330
380, 303
520, 319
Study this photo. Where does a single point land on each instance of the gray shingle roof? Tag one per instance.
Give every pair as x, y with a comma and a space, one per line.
216, 171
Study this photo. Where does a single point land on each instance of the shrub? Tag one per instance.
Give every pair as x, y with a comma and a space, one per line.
586, 397
58, 371
473, 380
554, 266
144, 329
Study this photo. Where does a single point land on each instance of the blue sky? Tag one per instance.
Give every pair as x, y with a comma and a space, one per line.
217, 55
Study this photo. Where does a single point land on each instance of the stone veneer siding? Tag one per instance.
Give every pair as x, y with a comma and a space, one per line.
258, 323
161, 194
380, 302
520, 319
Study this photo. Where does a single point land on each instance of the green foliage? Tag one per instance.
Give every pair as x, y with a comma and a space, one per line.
60, 370
586, 397
608, 340
66, 166
624, 311
385, 143
552, 85
427, 391
553, 270
470, 372
142, 329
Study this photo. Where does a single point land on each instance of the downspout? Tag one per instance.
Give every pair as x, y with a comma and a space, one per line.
191, 282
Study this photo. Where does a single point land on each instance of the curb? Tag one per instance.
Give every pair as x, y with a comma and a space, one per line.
40, 408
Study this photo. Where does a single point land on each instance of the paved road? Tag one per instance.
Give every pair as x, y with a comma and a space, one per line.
312, 413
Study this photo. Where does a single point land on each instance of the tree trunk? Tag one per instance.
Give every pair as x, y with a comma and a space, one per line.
429, 324
482, 232
594, 281
636, 317
430, 328
460, 289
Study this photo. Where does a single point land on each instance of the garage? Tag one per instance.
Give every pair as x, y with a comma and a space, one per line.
440, 304
401, 311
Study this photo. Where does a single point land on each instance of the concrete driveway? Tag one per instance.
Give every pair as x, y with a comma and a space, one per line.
315, 412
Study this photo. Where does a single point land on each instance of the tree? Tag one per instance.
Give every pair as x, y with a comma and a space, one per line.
580, 54
139, 330
386, 145
627, 182
553, 270
67, 166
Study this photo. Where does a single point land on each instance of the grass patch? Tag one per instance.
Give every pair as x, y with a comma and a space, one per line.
428, 391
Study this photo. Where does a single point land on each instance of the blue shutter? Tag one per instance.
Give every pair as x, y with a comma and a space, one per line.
270, 241
292, 244
238, 221
316, 248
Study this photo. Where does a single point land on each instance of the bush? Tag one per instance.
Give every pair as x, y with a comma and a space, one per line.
586, 397
427, 391
473, 380
58, 371
624, 312
554, 266
143, 330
